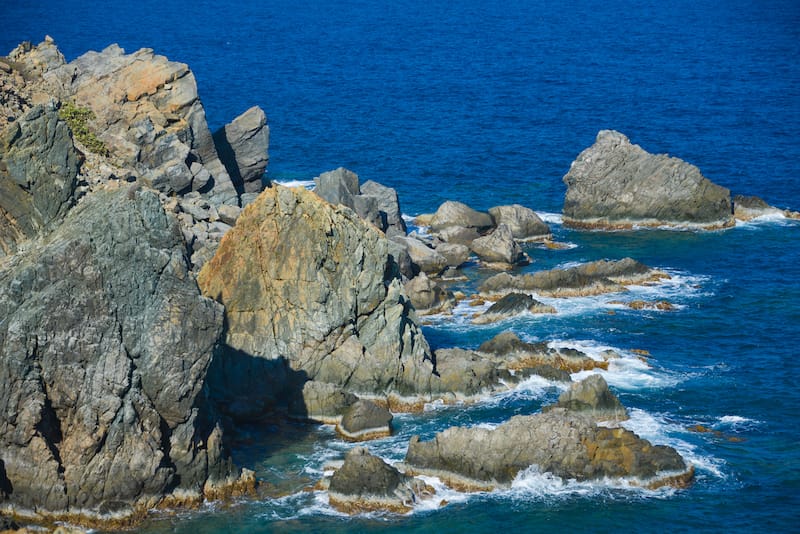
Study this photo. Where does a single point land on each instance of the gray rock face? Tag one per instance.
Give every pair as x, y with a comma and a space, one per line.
498, 247
365, 420
427, 296
373, 202
457, 214
105, 342
388, 205
512, 305
593, 278
365, 482
310, 293
615, 184
148, 114
38, 169
242, 146
523, 222
593, 398
563, 443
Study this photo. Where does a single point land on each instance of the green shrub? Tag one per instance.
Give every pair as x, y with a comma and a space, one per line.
77, 119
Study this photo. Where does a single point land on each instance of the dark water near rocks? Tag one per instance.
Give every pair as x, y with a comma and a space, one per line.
488, 103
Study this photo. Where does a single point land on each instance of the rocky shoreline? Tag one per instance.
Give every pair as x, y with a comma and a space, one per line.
157, 292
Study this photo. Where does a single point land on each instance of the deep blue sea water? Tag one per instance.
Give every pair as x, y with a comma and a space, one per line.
488, 103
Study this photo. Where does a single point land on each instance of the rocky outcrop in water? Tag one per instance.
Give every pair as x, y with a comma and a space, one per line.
592, 397
560, 441
366, 483
523, 222
105, 342
499, 248
519, 355
38, 170
512, 305
616, 184
311, 293
594, 278
364, 420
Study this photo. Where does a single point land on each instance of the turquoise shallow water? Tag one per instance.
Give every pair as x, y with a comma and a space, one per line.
488, 103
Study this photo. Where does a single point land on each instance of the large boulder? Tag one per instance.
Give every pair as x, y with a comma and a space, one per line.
310, 292
365, 483
499, 248
592, 397
364, 420
616, 184
566, 443
424, 259
105, 342
242, 147
457, 214
524, 223
593, 278
38, 170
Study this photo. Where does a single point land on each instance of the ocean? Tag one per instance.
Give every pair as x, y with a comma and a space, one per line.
488, 103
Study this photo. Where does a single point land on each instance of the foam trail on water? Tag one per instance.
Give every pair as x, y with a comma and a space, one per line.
308, 184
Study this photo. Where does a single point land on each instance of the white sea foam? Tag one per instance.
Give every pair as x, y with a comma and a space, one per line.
775, 218
308, 184
550, 218
657, 430
736, 422
628, 372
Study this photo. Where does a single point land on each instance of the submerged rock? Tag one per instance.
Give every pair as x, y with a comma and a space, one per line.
105, 342
615, 184
365, 483
310, 293
594, 278
512, 305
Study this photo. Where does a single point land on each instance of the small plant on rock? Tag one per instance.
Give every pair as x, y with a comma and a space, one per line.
77, 119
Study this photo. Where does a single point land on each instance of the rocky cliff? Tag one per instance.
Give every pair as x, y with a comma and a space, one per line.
311, 292
616, 184
105, 343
